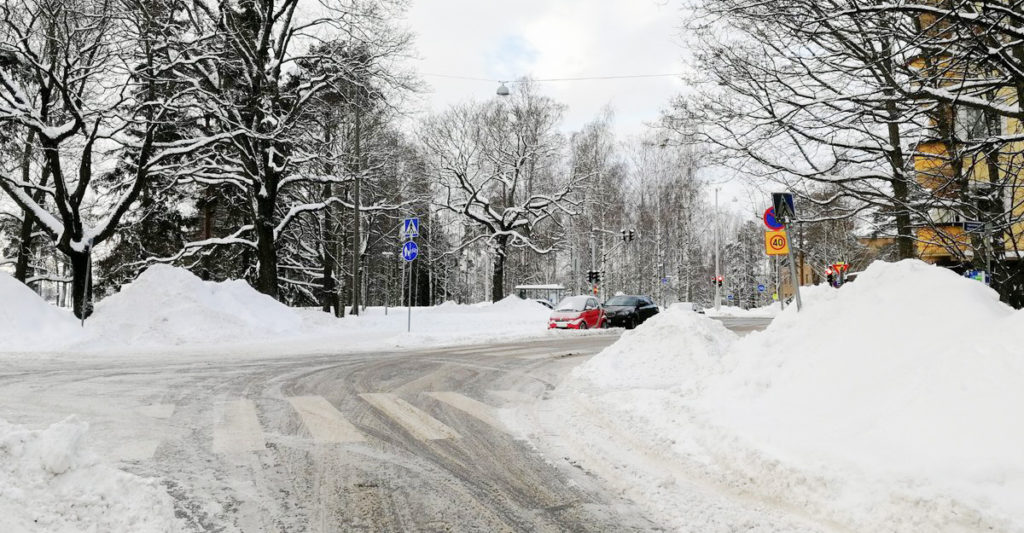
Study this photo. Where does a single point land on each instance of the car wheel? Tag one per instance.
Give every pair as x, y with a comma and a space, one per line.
632, 323
583, 325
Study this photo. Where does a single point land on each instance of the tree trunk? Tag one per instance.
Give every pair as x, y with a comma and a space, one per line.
266, 253
498, 279
81, 283
28, 221
900, 191
357, 251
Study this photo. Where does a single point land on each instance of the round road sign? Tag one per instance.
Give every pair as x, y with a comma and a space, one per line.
760, 288
410, 251
777, 242
770, 221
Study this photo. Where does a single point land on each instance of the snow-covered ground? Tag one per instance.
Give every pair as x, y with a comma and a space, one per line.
170, 311
48, 482
768, 311
892, 404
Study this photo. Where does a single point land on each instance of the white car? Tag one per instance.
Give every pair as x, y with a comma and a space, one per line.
690, 306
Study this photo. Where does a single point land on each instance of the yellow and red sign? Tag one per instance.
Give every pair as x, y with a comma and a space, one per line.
776, 242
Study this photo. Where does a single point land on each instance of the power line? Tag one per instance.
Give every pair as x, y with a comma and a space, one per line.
583, 78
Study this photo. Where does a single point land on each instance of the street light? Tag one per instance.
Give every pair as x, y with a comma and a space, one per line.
503, 90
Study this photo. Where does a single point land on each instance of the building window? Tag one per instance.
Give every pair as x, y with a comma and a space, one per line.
970, 124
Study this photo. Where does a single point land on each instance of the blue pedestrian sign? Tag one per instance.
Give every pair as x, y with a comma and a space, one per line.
410, 228
760, 287
410, 251
730, 297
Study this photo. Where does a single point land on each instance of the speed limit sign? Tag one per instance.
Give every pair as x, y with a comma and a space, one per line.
776, 243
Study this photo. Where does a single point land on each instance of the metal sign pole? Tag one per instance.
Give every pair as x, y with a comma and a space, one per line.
408, 324
792, 271
778, 283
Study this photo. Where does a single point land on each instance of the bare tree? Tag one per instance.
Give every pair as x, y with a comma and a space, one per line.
78, 75
496, 165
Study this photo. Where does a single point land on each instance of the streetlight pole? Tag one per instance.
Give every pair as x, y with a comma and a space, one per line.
718, 266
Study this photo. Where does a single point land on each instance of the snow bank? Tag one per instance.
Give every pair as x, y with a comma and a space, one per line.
171, 310
756, 312
169, 306
904, 377
891, 404
25, 318
48, 483
451, 323
672, 347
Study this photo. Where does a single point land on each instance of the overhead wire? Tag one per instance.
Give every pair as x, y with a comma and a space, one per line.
581, 78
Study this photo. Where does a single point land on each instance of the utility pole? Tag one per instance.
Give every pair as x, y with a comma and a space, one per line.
718, 266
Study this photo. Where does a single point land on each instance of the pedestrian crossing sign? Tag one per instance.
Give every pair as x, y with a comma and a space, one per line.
411, 228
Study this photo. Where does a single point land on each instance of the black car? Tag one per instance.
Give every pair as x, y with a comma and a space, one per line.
629, 311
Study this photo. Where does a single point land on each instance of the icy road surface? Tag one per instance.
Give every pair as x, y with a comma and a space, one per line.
400, 441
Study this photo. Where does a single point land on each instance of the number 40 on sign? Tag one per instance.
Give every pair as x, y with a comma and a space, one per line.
776, 243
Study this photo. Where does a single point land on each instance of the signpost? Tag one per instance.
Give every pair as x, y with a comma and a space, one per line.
776, 243
784, 212
410, 251
782, 206
770, 221
410, 230
760, 287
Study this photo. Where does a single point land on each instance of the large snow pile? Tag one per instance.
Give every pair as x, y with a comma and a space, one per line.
48, 483
453, 323
25, 317
169, 310
169, 306
678, 345
891, 404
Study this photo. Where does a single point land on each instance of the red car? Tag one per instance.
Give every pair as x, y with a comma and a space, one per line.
577, 312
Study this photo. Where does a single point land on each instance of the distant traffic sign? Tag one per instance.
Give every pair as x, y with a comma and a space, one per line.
784, 208
770, 221
760, 288
730, 297
973, 226
411, 228
410, 251
776, 243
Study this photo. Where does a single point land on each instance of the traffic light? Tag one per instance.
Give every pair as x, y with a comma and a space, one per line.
597, 276
831, 277
631, 234
719, 279
593, 276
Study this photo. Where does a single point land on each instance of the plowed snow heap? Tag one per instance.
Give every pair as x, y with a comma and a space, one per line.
171, 306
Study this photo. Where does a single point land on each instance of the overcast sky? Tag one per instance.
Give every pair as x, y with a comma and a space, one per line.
552, 39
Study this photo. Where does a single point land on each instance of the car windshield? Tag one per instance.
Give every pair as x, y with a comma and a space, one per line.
572, 303
622, 300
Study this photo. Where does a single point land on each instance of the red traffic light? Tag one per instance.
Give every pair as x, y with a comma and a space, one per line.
720, 278
828, 271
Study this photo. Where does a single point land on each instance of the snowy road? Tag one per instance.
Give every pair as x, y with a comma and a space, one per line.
402, 441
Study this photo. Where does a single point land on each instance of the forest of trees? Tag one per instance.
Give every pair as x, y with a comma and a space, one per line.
267, 141
270, 141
